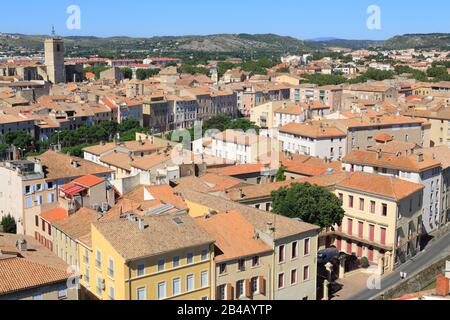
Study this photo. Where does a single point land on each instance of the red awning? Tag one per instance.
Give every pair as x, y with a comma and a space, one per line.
74, 190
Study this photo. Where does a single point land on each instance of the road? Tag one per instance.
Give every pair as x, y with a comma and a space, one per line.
435, 252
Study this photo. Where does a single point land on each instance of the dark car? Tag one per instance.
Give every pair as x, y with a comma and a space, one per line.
326, 255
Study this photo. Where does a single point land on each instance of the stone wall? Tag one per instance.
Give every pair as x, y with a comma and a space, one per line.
416, 283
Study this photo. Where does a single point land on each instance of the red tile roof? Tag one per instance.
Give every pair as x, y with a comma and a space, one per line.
55, 215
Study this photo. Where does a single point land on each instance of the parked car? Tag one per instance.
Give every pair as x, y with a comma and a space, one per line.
326, 255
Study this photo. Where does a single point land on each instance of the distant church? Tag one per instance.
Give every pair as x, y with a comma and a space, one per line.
54, 59
54, 69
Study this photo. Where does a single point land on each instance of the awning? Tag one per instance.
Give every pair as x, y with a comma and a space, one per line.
73, 190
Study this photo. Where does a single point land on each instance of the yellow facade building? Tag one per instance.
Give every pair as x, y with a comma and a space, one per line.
160, 257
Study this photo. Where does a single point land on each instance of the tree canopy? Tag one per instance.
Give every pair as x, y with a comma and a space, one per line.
312, 204
9, 224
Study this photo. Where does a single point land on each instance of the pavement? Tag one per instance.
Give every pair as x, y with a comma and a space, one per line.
436, 251
351, 284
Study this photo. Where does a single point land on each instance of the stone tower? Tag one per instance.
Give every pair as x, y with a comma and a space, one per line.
54, 59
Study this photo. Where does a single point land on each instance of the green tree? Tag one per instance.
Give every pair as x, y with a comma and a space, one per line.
127, 73
142, 74
19, 139
9, 224
280, 176
223, 67
312, 204
283, 70
439, 73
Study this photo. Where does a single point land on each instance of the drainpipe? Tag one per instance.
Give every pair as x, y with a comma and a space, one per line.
129, 280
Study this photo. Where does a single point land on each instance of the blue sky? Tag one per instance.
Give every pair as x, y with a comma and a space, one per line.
305, 19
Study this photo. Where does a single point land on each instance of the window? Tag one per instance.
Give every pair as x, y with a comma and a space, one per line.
281, 257
204, 254
281, 281
204, 279
140, 270
141, 293
190, 282
306, 273
190, 258
62, 294
161, 264
176, 262
86, 275
294, 250
28, 202
98, 260
307, 249
111, 267
221, 292
293, 277
372, 207
384, 210
350, 201
255, 261
341, 197
241, 264
361, 204
43, 225
222, 268
36, 221
50, 197
176, 286
161, 290
112, 293
240, 289
254, 284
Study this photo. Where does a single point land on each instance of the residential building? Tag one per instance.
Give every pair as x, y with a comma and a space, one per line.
157, 257
383, 218
416, 168
313, 139
31, 272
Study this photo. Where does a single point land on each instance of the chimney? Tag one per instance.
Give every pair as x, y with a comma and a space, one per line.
141, 224
419, 157
442, 286
241, 194
379, 154
21, 244
130, 157
270, 228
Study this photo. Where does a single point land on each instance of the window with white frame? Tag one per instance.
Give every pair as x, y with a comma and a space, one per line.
190, 258
111, 267
176, 262
176, 286
141, 270
204, 279
141, 293
162, 290
161, 264
204, 255
190, 283
98, 259
112, 293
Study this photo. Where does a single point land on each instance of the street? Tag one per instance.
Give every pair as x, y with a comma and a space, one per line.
436, 251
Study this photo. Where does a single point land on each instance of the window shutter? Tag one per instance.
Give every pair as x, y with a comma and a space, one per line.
217, 293
248, 289
230, 292
262, 285
237, 288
